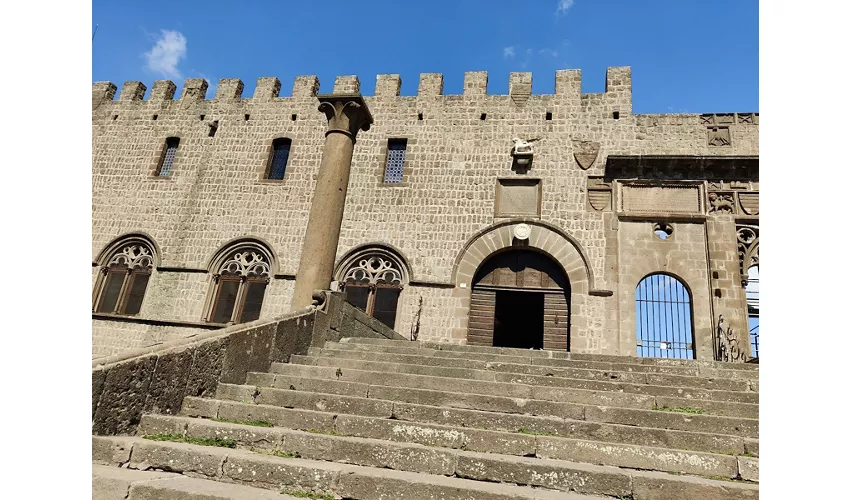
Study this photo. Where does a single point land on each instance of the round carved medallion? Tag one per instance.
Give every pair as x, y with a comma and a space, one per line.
522, 231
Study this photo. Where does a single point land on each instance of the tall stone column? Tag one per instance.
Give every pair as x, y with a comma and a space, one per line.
347, 114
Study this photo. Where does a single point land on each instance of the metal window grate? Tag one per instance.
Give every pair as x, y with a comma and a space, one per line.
664, 325
280, 157
752, 291
394, 171
168, 159
754, 336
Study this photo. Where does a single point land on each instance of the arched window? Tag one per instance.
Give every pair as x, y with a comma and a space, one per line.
372, 280
239, 284
124, 277
663, 318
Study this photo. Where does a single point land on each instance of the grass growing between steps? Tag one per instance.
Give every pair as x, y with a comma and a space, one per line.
307, 494
277, 453
255, 423
217, 441
694, 411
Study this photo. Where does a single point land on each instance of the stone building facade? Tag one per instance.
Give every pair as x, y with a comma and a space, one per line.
447, 218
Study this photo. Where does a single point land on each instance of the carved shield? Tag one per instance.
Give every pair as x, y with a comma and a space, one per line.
585, 153
599, 200
749, 203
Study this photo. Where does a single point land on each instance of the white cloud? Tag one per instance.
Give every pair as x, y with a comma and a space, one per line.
550, 52
563, 6
508, 52
166, 54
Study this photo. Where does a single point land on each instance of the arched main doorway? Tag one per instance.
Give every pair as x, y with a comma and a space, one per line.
520, 298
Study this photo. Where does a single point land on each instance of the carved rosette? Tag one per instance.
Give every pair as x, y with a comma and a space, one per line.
246, 264
748, 250
134, 256
374, 270
346, 113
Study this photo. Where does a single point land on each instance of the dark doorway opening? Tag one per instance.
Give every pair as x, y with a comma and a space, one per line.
519, 320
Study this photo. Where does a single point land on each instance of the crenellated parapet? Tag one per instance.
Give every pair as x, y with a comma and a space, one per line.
567, 85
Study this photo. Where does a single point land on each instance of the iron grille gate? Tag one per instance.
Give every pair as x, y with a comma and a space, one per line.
664, 326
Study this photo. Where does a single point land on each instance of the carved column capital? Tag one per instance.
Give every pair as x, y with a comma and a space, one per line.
346, 113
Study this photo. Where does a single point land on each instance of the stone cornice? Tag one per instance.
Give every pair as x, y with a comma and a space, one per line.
672, 167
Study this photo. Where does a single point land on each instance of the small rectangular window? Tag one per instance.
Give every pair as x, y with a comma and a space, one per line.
136, 292
226, 300
168, 158
394, 170
279, 159
253, 301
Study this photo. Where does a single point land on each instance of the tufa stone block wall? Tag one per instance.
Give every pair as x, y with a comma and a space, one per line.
457, 148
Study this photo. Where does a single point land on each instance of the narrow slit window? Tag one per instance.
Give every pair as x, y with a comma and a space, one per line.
167, 164
394, 170
279, 158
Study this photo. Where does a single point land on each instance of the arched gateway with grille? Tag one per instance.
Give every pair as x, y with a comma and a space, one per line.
520, 298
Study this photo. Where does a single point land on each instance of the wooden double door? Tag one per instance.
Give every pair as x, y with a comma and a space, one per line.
520, 298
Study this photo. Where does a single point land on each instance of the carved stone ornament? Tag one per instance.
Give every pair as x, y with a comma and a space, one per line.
585, 153
749, 203
719, 136
748, 250
598, 194
134, 256
523, 147
374, 270
346, 113
721, 203
522, 231
247, 264
727, 347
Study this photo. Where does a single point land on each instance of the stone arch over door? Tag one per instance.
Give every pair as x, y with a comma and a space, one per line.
542, 237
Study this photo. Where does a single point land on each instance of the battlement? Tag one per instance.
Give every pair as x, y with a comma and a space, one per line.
618, 82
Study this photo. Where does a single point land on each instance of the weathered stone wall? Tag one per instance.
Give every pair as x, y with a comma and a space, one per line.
458, 146
156, 379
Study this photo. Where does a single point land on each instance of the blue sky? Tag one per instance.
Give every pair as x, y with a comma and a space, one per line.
686, 56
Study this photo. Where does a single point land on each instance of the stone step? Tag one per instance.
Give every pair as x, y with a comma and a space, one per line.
353, 482
441, 363
744, 427
475, 419
552, 474
113, 483
480, 440
518, 387
624, 364
553, 354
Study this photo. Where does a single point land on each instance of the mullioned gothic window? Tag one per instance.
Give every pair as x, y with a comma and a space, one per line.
120, 288
239, 285
372, 281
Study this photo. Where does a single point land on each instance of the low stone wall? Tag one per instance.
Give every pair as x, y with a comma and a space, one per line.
156, 379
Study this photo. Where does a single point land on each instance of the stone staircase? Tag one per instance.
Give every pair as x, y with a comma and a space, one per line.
388, 419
